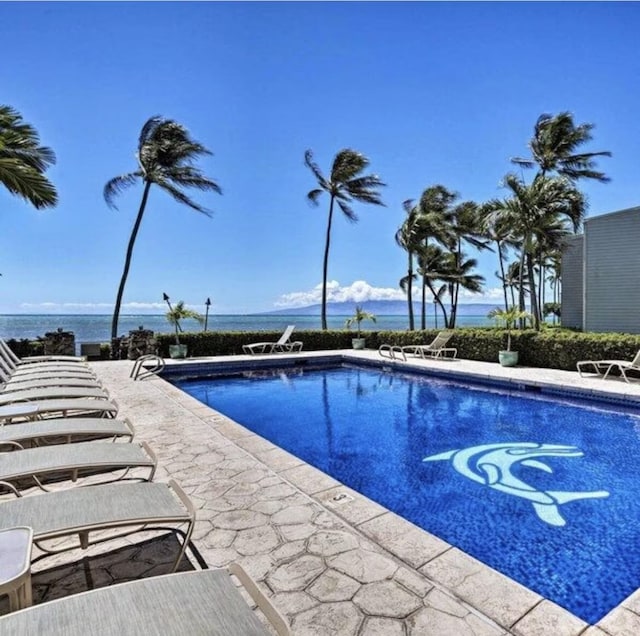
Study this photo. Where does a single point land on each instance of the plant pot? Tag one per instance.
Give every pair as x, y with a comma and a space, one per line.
508, 358
358, 343
178, 351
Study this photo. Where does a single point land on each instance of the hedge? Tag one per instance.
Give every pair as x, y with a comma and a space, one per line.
552, 348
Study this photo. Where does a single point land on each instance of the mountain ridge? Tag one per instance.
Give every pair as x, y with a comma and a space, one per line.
380, 308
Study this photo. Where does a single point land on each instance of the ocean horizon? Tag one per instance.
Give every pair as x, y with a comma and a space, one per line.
97, 327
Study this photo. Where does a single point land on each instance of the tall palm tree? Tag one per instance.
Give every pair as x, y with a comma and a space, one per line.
553, 147
435, 227
23, 161
165, 155
408, 238
345, 184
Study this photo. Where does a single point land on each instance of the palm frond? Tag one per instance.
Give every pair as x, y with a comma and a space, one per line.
347, 211
180, 196
118, 184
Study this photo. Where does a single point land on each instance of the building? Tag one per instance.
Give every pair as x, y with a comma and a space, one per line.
600, 274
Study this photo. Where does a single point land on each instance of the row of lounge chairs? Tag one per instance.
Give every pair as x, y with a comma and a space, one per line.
202, 602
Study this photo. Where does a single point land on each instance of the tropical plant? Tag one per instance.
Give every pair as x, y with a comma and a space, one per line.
508, 318
553, 148
23, 161
165, 155
179, 312
344, 185
358, 317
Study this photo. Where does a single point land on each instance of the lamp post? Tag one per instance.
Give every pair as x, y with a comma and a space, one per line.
206, 314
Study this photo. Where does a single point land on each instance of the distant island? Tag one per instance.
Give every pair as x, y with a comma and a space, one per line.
380, 308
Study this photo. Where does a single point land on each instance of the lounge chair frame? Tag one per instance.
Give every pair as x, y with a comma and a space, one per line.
283, 345
43, 409
603, 368
201, 602
72, 460
66, 430
435, 349
101, 508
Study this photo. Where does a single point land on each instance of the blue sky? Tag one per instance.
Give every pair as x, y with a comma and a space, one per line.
432, 93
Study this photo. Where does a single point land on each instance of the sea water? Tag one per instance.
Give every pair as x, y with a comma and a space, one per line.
97, 328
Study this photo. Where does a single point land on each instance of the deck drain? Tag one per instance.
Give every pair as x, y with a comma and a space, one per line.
341, 498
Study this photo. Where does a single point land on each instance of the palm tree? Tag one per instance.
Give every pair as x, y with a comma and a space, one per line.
344, 185
435, 220
553, 148
408, 238
165, 156
533, 210
23, 161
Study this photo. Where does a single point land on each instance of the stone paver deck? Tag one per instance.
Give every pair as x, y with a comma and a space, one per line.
333, 561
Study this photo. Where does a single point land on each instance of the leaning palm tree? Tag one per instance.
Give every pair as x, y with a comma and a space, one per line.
553, 148
345, 184
165, 156
23, 161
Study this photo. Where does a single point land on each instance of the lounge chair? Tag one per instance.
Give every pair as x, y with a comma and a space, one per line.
435, 349
122, 508
52, 392
75, 460
71, 407
603, 368
66, 430
205, 602
283, 345
7, 383
38, 359
44, 368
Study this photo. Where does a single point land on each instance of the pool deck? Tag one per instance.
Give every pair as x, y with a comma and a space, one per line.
333, 561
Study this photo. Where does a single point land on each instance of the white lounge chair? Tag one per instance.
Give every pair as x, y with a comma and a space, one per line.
70, 407
52, 392
38, 359
7, 383
66, 430
43, 368
283, 345
121, 508
72, 461
205, 602
603, 368
435, 349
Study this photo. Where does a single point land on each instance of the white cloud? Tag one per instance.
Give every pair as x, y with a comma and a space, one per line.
360, 291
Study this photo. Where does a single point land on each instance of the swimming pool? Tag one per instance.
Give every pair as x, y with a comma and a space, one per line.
543, 490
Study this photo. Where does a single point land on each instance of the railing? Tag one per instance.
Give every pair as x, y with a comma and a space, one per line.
140, 372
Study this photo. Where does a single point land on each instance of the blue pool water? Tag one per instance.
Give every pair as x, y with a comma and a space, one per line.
543, 490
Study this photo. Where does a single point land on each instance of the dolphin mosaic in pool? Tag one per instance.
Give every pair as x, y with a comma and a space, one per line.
490, 465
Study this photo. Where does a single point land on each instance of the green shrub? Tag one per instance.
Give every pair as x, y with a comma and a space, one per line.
550, 348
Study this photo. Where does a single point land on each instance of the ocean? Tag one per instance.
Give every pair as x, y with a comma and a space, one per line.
97, 328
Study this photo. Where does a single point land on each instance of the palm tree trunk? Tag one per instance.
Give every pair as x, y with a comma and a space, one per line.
410, 292
535, 310
423, 322
127, 260
504, 282
325, 267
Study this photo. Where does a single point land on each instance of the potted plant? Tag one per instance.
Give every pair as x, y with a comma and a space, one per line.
360, 315
507, 318
175, 314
